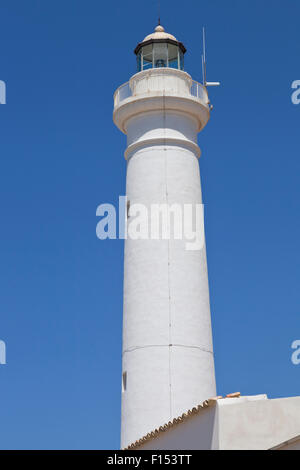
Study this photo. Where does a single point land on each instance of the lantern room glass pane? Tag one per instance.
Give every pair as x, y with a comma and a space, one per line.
181, 58
147, 54
139, 61
160, 54
173, 56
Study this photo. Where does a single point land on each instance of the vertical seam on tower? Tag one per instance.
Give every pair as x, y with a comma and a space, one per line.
168, 242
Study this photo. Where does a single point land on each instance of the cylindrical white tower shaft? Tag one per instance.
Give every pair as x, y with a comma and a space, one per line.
168, 364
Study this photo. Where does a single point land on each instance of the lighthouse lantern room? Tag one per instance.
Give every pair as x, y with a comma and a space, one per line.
160, 49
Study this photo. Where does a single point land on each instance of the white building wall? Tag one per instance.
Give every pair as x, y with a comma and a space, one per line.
258, 424
246, 423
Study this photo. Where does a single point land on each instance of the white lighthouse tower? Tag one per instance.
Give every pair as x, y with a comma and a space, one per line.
168, 364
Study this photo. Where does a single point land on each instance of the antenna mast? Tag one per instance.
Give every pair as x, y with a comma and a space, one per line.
204, 57
206, 83
159, 12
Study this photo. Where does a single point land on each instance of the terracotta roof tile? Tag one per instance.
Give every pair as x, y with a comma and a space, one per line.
179, 419
170, 424
233, 395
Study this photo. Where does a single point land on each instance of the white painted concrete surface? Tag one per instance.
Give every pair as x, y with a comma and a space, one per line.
167, 340
246, 423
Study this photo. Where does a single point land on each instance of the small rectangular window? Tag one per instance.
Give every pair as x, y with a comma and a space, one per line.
124, 381
128, 208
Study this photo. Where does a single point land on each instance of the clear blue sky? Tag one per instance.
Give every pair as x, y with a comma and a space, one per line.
61, 156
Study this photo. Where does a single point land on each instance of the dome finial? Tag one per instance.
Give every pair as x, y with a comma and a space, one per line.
159, 29
159, 33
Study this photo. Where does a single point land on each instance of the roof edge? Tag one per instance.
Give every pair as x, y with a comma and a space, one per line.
193, 411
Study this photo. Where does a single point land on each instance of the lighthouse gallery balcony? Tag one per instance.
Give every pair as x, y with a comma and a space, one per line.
161, 88
127, 90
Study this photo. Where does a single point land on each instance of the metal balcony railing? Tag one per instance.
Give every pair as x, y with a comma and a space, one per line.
123, 92
197, 90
